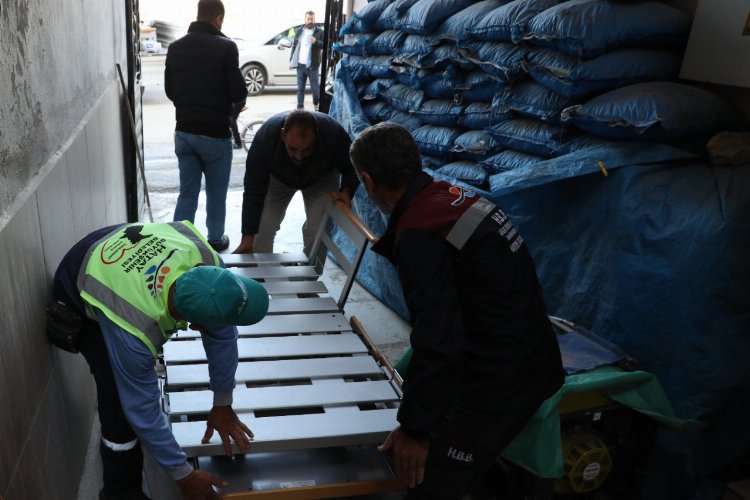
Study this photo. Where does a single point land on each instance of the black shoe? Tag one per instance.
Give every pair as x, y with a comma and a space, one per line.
236, 146
220, 245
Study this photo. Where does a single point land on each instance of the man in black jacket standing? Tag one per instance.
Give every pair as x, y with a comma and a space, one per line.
308, 42
484, 354
203, 80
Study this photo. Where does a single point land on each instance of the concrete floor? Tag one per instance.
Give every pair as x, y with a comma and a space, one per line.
388, 331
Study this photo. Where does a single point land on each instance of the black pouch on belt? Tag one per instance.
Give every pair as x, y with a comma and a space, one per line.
64, 326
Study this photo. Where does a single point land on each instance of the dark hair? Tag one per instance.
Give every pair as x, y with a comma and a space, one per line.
301, 119
388, 153
208, 10
310, 12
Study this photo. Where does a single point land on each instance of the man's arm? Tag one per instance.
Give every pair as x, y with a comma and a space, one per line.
235, 82
427, 277
257, 176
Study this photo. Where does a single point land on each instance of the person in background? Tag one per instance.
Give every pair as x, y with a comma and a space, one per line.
293, 151
484, 353
202, 78
306, 50
117, 296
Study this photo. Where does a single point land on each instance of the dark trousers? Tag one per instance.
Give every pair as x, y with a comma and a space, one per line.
303, 73
122, 462
464, 449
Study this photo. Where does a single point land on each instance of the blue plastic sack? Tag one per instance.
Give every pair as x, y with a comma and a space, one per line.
532, 100
387, 43
499, 59
433, 162
436, 141
652, 112
372, 90
508, 23
406, 120
426, 15
480, 115
456, 26
439, 112
475, 145
576, 78
364, 20
479, 86
356, 44
530, 136
411, 76
509, 160
443, 84
585, 28
373, 110
402, 97
466, 171
368, 68
444, 55
392, 13
414, 46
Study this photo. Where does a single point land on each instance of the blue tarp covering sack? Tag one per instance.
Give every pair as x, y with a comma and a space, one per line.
651, 256
356, 44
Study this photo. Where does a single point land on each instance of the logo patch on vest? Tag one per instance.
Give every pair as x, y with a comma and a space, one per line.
461, 195
156, 274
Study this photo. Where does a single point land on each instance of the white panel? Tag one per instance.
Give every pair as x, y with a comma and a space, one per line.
191, 351
264, 272
250, 259
295, 432
286, 397
294, 306
284, 324
718, 51
279, 370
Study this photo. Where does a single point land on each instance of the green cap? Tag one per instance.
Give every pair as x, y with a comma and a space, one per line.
213, 296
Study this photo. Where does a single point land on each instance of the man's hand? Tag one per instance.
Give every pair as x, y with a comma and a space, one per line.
224, 420
312, 40
246, 244
342, 196
408, 455
199, 486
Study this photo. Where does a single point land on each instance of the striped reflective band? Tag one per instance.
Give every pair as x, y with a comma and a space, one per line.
468, 222
207, 255
125, 310
119, 446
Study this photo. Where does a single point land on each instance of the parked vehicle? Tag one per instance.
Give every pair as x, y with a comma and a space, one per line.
265, 60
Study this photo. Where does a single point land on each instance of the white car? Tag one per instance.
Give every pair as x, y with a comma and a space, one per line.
265, 61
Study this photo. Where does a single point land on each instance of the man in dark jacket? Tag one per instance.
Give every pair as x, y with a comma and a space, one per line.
308, 42
203, 80
293, 151
484, 353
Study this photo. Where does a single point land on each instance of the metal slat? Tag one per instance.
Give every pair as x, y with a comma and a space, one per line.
296, 305
191, 351
286, 397
295, 432
252, 259
294, 287
279, 370
276, 272
285, 324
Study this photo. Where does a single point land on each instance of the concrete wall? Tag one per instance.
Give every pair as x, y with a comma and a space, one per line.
62, 134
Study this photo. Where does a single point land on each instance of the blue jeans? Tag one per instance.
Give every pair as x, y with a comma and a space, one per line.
303, 73
199, 155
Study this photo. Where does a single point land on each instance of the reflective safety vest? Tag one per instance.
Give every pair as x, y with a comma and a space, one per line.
128, 273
